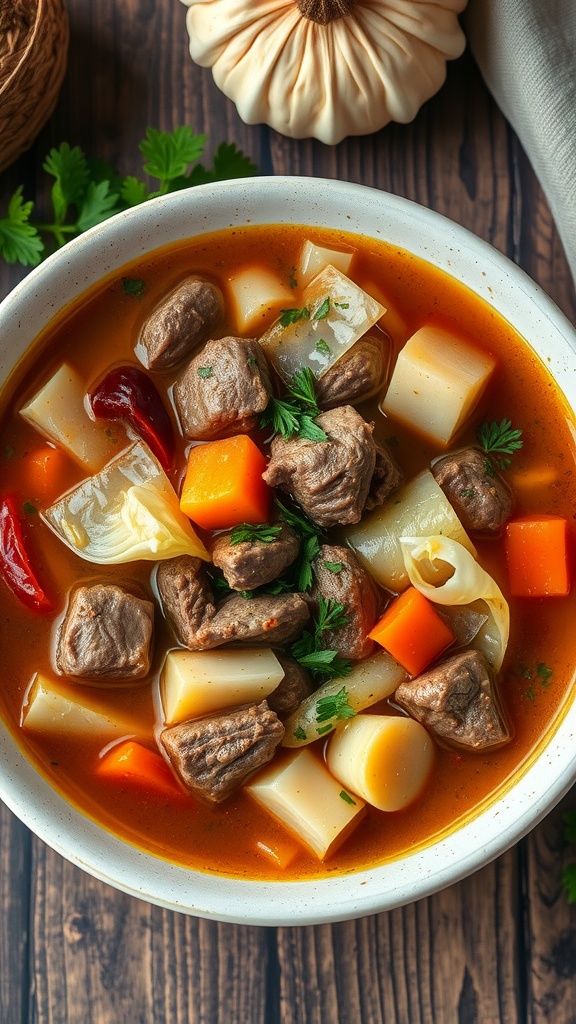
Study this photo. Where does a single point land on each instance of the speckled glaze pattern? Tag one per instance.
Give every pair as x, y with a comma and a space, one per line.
534, 789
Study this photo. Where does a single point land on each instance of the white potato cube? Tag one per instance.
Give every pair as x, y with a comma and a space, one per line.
334, 314
195, 683
58, 412
383, 759
437, 381
303, 795
315, 258
54, 706
255, 293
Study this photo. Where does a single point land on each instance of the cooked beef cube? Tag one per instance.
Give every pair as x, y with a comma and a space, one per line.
106, 634
179, 323
270, 619
213, 756
387, 477
479, 495
338, 576
250, 564
329, 479
223, 389
292, 690
457, 700
186, 596
354, 376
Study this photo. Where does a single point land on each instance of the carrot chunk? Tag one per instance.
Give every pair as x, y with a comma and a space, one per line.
412, 631
537, 556
45, 472
131, 762
223, 486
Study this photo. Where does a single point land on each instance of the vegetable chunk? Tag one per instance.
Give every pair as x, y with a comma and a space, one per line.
223, 486
437, 381
412, 632
200, 682
130, 763
55, 706
256, 292
537, 556
309, 801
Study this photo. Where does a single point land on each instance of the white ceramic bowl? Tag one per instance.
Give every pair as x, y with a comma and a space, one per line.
531, 793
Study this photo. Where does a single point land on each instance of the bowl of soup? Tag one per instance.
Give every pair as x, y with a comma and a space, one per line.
286, 532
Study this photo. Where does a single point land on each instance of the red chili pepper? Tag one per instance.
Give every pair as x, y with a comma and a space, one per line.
127, 393
15, 565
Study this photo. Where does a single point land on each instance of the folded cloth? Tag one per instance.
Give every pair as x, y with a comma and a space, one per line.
526, 51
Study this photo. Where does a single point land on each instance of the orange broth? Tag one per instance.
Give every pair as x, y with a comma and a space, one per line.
99, 331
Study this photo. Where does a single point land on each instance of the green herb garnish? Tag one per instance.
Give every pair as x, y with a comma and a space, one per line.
292, 279
29, 508
311, 535
322, 312
499, 439
294, 415
334, 567
346, 797
133, 286
86, 192
299, 733
342, 305
308, 649
467, 493
249, 533
334, 705
322, 347
292, 316
204, 372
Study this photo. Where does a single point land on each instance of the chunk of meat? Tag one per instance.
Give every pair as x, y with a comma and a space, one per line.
270, 619
387, 477
250, 564
186, 596
338, 576
479, 495
295, 687
223, 389
214, 756
457, 701
329, 479
180, 322
356, 375
106, 634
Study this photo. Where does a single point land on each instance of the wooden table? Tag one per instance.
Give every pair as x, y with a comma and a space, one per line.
500, 946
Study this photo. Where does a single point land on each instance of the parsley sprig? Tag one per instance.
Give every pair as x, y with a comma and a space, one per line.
499, 439
308, 650
311, 536
85, 192
294, 415
249, 533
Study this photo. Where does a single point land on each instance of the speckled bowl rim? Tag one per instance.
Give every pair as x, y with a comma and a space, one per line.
533, 791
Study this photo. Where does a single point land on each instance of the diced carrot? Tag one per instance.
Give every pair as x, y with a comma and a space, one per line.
537, 556
412, 631
45, 472
279, 852
223, 486
131, 762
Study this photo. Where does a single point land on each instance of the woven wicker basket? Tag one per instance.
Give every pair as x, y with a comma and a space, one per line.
33, 52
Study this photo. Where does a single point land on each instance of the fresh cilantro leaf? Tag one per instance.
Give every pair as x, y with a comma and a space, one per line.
331, 615
282, 417
101, 170
323, 310
310, 430
294, 415
334, 706
569, 882
204, 372
308, 651
97, 206
133, 286
334, 567
346, 797
292, 316
19, 239
247, 533
132, 191
168, 154
301, 570
302, 388
70, 169
569, 820
231, 162
500, 439
322, 347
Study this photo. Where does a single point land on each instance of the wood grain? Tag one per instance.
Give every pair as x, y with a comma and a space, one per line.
498, 947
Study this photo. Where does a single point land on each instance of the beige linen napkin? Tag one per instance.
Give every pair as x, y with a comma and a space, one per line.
526, 51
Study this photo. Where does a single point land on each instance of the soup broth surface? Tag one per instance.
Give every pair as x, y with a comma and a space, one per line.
99, 332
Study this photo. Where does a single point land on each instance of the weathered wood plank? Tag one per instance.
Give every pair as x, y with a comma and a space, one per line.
14, 918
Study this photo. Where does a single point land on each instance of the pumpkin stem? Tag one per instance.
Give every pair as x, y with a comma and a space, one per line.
324, 11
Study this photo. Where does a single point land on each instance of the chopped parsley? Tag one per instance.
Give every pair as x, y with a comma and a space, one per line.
323, 309
346, 797
334, 706
311, 535
308, 650
204, 372
322, 347
292, 279
249, 533
133, 286
299, 733
294, 416
467, 493
334, 567
342, 305
499, 439
540, 677
292, 316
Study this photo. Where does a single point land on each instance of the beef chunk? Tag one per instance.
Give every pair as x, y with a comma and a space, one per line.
356, 375
387, 477
250, 564
223, 389
106, 634
329, 479
475, 489
186, 596
179, 323
213, 756
295, 687
457, 700
338, 576
270, 619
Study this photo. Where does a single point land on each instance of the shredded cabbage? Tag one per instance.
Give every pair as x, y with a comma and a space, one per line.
467, 582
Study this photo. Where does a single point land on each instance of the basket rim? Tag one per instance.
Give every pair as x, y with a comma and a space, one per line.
40, 11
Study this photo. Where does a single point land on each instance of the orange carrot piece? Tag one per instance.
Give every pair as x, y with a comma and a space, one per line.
131, 762
45, 472
280, 853
537, 556
223, 486
412, 631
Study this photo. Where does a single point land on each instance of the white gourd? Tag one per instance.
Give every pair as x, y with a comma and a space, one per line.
326, 68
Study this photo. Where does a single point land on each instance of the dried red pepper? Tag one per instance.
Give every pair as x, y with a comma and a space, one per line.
15, 566
127, 393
